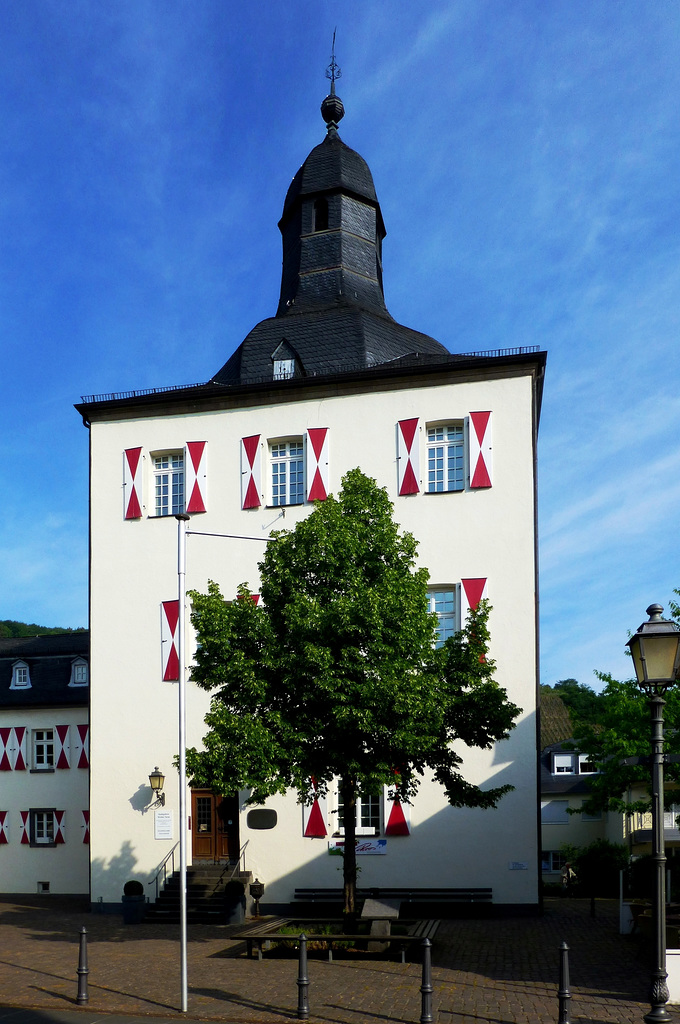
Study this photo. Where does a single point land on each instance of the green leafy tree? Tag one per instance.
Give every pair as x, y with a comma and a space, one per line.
580, 699
622, 731
335, 675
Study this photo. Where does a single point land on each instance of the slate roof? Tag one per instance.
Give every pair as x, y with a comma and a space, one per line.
49, 659
341, 327
560, 785
331, 165
334, 339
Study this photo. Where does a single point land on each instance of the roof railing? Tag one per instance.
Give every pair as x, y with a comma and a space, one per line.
416, 359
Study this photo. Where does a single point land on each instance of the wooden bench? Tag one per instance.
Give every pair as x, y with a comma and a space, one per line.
430, 896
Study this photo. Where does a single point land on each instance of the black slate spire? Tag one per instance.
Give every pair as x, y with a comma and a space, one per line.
331, 310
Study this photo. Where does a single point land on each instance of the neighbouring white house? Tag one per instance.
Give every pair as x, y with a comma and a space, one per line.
44, 764
328, 383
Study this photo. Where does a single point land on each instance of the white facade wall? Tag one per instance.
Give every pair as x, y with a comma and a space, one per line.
64, 867
486, 533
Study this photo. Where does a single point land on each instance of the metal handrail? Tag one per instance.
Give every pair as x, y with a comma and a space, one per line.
164, 868
237, 866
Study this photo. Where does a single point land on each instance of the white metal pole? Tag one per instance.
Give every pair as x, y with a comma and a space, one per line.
181, 583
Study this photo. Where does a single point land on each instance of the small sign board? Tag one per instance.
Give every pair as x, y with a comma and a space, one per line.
364, 847
518, 865
162, 825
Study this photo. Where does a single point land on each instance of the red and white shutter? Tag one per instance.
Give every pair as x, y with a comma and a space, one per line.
481, 449
23, 819
18, 751
5, 766
4, 827
472, 592
59, 827
170, 640
82, 751
132, 483
317, 464
396, 815
408, 460
314, 817
86, 827
196, 463
62, 747
251, 470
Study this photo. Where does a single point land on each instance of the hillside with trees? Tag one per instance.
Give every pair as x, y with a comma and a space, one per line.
12, 628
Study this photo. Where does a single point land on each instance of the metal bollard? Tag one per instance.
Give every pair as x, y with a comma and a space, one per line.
563, 994
426, 986
303, 981
82, 998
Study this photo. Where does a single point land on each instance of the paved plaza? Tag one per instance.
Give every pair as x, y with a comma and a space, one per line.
501, 971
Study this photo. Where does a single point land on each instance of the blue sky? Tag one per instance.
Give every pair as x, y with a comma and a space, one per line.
526, 158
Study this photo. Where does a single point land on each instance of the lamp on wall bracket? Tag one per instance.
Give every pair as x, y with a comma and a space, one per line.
156, 781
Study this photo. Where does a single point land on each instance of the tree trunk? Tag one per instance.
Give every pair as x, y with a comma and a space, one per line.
349, 858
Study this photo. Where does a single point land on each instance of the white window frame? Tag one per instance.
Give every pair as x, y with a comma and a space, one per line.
563, 764
281, 455
368, 808
21, 676
169, 482
444, 602
284, 369
80, 673
42, 750
445, 457
554, 812
583, 762
553, 861
42, 824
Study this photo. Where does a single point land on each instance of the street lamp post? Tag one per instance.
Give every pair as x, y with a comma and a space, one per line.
655, 648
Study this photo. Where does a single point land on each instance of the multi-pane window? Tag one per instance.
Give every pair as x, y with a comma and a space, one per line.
43, 748
443, 604
79, 675
21, 677
284, 369
368, 815
42, 828
445, 457
553, 860
288, 477
169, 483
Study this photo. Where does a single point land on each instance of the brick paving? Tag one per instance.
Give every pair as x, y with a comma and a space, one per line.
499, 971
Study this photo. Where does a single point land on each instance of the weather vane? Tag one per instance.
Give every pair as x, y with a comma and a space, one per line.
333, 71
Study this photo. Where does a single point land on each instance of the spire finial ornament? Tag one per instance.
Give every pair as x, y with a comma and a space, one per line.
332, 109
333, 70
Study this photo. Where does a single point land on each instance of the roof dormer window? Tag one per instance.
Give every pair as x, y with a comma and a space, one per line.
285, 363
79, 673
21, 677
284, 369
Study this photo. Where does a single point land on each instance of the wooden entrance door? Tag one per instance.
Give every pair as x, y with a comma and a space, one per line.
214, 827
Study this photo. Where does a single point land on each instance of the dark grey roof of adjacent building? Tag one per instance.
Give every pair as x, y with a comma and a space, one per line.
560, 785
49, 659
